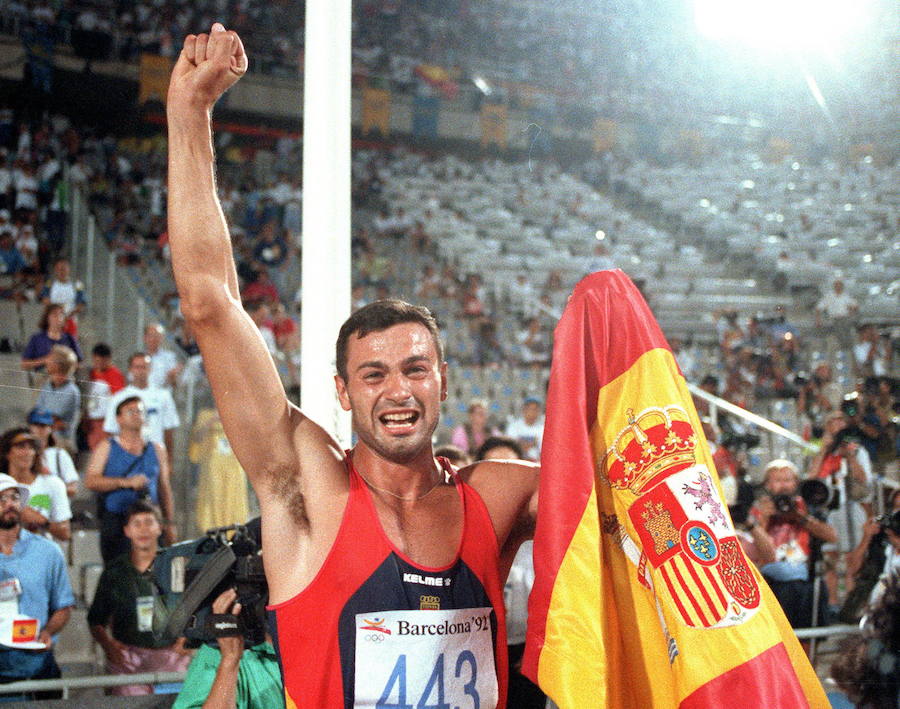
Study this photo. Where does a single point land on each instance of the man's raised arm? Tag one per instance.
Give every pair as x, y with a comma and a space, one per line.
255, 413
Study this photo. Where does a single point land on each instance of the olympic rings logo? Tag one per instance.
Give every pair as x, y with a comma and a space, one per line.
375, 638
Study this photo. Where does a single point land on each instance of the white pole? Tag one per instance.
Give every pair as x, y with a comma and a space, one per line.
326, 207
89, 263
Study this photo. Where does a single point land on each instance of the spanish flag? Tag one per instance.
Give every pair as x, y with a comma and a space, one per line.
643, 597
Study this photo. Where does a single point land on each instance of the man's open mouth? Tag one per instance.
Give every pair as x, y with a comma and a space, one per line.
400, 420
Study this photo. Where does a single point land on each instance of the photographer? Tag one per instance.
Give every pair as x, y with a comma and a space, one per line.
844, 465
784, 517
876, 557
229, 676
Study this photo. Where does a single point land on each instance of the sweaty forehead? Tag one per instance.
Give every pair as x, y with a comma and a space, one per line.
396, 343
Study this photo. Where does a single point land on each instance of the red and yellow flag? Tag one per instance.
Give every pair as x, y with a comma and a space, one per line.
643, 597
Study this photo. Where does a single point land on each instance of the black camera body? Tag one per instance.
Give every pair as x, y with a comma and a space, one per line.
890, 520
190, 575
814, 493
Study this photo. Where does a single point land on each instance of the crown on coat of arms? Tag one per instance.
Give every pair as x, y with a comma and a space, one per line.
656, 443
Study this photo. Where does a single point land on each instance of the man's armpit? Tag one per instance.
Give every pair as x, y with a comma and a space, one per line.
285, 487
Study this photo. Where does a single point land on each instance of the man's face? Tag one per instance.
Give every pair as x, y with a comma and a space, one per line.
143, 530
394, 388
100, 363
131, 416
152, 339
139, 371
531, 412
781, 481
10, 508
62, 270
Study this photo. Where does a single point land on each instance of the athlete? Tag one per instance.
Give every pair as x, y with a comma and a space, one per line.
385, 566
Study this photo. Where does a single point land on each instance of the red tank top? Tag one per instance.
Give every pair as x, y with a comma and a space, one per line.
359, 627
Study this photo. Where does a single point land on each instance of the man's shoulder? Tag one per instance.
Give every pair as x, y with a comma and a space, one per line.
42, 550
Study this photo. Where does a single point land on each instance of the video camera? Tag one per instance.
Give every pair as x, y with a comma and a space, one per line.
189, 576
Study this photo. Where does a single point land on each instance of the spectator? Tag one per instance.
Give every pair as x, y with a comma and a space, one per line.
121, 614
793, 531
47, 512
125, 468
499, 448
870, 353
229, 676
470, 435
867, 664
260, 314
835, 313
106, 379
159, 406
164, 364
534, 344
55, 460
33, 568
271, 251
875, 558
528, 429
60, 397
67, 293
457, 456
261, 288
12, 264
844, 465
51, 332
523, 693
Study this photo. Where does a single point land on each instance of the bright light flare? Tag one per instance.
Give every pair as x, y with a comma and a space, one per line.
781, 24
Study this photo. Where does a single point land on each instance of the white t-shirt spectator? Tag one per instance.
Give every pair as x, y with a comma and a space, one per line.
47, 495
515, 594
161, 364
161, 414
532, 434
59, 463
836, 305
67, 294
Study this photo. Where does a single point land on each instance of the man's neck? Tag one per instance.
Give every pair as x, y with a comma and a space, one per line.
130, 438
8, 539
142, 558
408, 479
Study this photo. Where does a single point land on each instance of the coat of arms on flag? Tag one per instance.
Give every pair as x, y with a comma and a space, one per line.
680, 520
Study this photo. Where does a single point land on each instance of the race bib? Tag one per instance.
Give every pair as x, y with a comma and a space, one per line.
144, 611
431, 659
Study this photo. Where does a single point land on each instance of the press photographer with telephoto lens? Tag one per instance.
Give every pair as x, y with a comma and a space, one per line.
796, 532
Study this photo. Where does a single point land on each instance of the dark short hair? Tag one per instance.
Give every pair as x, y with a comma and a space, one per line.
499, 442
379, 316
454, 454
101, 349
139, 507
127, 400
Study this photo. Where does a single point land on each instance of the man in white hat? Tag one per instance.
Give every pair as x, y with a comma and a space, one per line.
35, 595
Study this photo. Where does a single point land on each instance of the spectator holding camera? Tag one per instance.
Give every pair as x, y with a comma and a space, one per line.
121, 614
123, 469
844, 465
230, 676
784, 517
